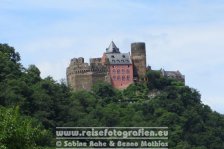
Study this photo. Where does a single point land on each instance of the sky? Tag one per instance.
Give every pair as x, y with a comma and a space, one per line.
184, 35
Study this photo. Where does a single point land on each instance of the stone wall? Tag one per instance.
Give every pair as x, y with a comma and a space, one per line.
82, 81
81, 75
138, 56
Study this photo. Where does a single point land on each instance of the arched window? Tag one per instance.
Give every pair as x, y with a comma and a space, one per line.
114, 71
118, 71
114, 78
123, 78
118, 78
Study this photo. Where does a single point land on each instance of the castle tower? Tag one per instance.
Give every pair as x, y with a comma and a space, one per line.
119, 65
138, 56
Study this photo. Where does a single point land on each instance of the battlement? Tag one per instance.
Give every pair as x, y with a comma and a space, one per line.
81, 75
117, 68
80, 62
173, 75
82, 71
78, 66
76, 61
95, 61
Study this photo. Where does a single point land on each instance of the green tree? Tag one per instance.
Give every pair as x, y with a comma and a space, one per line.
137, 91
105, 92
18, 132
9, 66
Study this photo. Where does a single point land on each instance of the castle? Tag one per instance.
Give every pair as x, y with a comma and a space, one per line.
118, 69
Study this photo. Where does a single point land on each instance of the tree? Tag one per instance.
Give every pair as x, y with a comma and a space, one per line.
18, 132
191, 123
32, 75
9, 66
138, 91
104, 91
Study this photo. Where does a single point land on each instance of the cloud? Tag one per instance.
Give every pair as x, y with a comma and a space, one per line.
184, 35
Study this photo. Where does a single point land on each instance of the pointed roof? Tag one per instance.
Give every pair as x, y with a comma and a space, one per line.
112, 48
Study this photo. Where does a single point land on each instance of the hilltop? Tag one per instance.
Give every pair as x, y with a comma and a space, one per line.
32, 105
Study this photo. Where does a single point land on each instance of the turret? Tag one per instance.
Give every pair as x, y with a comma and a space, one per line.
138, 56
112, 48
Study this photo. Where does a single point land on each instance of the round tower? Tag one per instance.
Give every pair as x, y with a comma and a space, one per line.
138, 56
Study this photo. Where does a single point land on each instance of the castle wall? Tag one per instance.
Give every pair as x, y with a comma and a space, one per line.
94, 62
113, 67
83, 81
138, 56
104, 59
98, 77
81, 76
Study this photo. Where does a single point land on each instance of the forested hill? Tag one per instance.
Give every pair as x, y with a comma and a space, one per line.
31, 107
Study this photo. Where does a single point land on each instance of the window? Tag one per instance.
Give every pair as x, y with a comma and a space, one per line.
113, 61
123, 56
128, 66
122, 61
123, 71
128, 78
112, 56
118, 71
114, 71
127, 71
118, 61
118, 78
114, 78
123, 78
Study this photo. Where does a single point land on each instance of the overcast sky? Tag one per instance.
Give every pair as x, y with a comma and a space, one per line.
185, 35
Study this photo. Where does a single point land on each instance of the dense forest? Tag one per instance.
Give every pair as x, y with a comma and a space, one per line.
32, 107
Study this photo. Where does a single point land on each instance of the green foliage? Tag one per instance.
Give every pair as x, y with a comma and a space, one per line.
9, 66
102, 89
32, 75
138, 91
157, 81
191, 123
17, 132
104, 92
